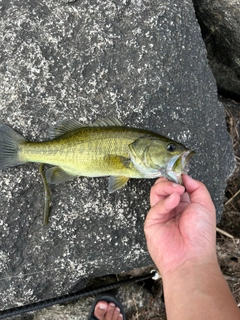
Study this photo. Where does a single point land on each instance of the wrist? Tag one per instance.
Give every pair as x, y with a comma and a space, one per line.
197, 290
191, 266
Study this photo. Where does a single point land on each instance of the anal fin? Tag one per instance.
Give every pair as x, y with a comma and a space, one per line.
116, 182
56, 175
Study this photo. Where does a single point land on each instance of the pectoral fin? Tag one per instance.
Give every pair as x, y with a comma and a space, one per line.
56, 175
118, 162
116, 182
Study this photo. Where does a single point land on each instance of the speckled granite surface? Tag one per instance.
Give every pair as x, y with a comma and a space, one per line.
141, 61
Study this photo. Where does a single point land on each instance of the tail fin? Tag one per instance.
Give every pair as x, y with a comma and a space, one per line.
9, 147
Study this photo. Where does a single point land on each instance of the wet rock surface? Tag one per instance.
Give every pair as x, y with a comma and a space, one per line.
143, 62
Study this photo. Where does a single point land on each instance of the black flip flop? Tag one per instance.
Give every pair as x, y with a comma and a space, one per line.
108, 299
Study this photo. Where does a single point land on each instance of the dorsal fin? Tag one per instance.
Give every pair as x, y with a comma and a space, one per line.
69, 125
64, 127
105, 122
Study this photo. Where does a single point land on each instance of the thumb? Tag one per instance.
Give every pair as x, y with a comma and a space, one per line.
198, 192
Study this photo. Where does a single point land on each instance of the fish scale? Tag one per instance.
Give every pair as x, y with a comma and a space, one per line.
105, 148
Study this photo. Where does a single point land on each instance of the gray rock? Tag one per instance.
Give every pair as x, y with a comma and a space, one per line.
220, 23
141, 61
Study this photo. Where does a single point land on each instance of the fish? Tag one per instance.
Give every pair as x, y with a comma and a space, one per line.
104, 148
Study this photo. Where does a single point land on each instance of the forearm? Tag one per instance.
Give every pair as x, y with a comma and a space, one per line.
198, 292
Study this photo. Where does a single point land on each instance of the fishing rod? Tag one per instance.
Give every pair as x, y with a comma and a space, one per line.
75, 296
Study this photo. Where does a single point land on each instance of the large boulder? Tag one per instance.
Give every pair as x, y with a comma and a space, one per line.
220, 23
141, 61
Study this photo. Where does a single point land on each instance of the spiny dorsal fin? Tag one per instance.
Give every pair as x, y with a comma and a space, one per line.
70, 125
107, 122
64, 127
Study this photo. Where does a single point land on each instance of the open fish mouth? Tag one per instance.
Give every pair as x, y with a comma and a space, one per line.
185, 159
178, 165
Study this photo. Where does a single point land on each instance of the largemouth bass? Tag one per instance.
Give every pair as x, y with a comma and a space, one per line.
105, 148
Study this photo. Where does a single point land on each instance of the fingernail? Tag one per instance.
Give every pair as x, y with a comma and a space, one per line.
175, 185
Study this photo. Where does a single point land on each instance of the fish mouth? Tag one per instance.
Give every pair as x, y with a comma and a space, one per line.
179, 165
185, 159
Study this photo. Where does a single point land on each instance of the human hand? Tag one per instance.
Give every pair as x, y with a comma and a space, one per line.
181, 224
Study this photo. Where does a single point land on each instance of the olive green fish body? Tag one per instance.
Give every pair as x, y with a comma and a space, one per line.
106, 148
89, 151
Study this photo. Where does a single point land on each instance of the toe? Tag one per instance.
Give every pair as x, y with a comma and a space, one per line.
101, 310
110, 311
117, 314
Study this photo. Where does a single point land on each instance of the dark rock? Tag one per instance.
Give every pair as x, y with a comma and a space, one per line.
220, 23
141, 61
134, 298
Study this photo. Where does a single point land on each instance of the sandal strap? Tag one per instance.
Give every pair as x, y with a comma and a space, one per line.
108, 298
92, 317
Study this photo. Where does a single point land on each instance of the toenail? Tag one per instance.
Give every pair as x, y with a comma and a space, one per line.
102, 306
112, 304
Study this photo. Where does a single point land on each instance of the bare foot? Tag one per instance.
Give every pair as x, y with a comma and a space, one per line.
107, 311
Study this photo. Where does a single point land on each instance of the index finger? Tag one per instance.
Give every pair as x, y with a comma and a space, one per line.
162, 189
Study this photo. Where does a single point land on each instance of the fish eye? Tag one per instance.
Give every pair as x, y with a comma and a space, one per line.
171, 147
